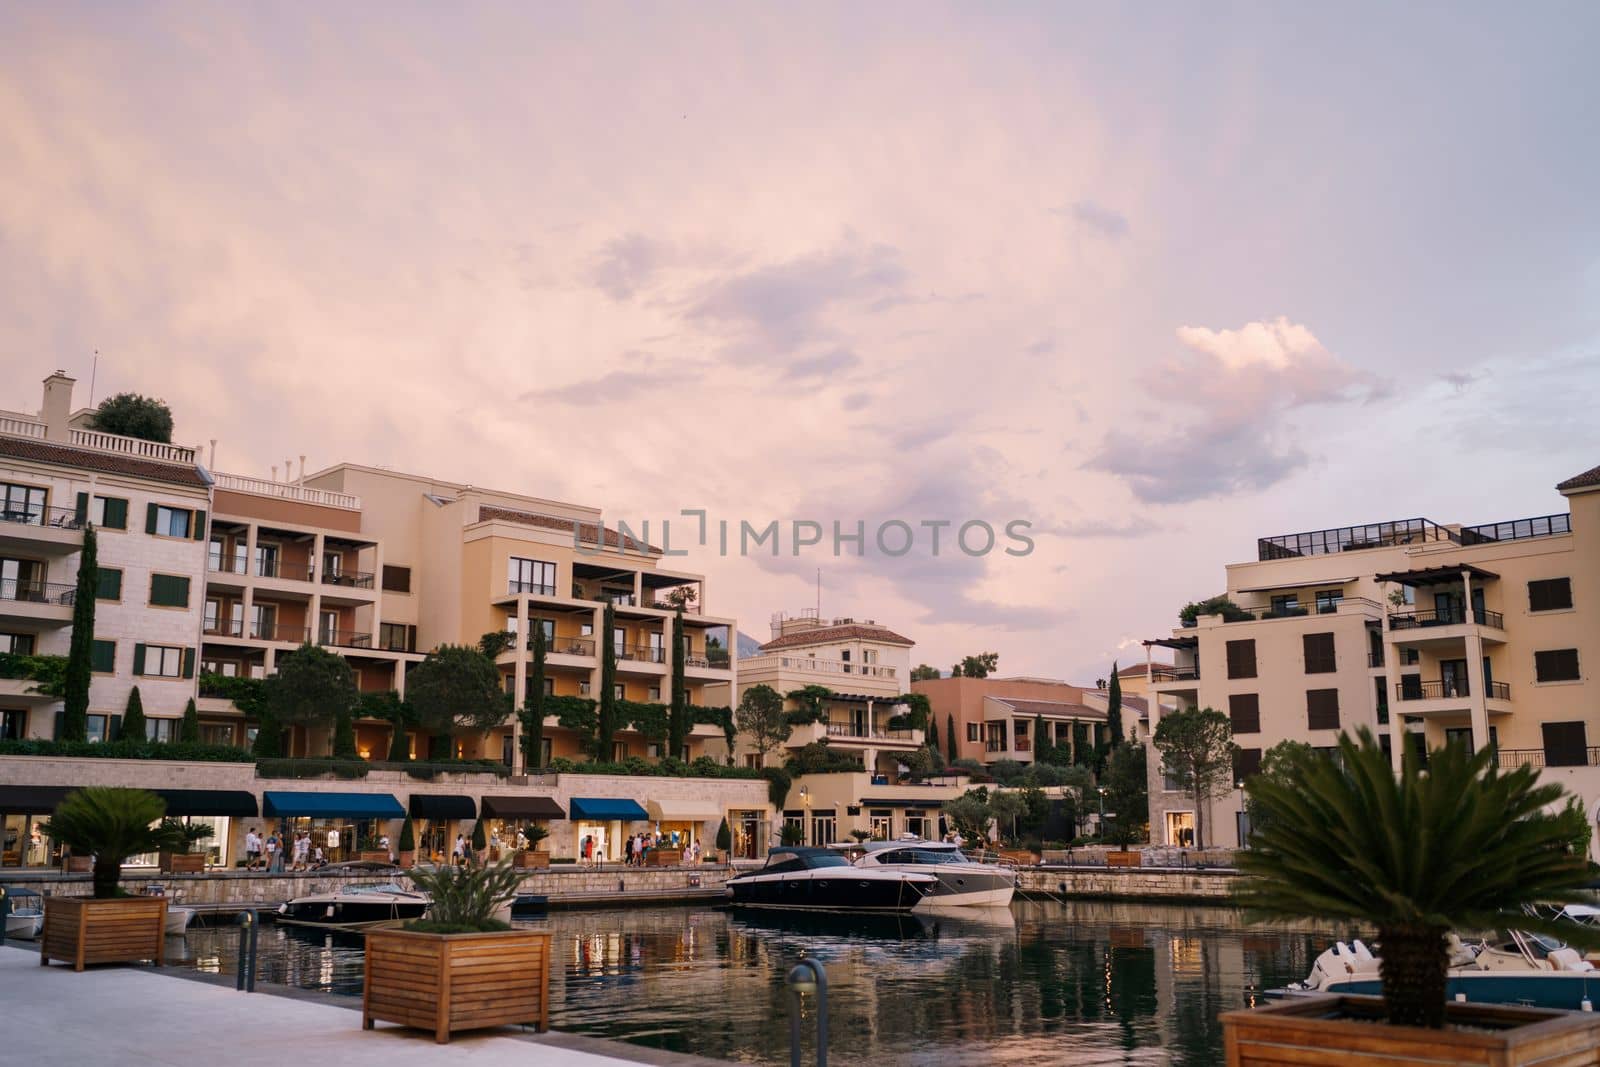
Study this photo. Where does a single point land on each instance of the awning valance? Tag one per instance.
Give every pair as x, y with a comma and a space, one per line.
443, 806
900, 802
31, 799
288, 805
522, 808
234, 803
607, 809
683, 810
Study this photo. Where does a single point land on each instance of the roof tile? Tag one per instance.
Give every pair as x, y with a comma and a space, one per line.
1587, 480
587, 531
846, 632
106, 462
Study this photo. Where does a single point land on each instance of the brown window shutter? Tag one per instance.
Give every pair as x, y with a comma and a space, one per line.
1319, 653
1556, 665
1322, 709
1241, 659
1244, 712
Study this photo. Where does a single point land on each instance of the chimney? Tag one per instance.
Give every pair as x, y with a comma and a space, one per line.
56, 410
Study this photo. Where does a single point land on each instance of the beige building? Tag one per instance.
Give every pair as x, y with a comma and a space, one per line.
995, 718
1413, 628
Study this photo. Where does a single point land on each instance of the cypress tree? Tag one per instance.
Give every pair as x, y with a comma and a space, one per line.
269, 738
344, 736
479, 840
933, 734
189, 729
133, 727
606, 722
1043, 749
950, 737
533, 715
678, 713
75, 707
1114, 710
399, 743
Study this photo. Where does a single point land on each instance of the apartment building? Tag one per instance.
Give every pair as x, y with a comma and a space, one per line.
1419, 630
148, 503
454, 562
995, 717
863, 666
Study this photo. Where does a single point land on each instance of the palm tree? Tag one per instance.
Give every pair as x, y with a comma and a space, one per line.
111, 825
1456, 845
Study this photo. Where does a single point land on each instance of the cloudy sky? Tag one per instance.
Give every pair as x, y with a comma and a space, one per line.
1158, 280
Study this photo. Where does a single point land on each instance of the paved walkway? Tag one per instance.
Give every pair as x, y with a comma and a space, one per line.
115, 1016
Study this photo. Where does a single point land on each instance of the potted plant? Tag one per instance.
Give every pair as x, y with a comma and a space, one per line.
480, 842
1417, 855
111, 927
458, 968
724, 842
531, 856
408, 845
182, 857
367, 850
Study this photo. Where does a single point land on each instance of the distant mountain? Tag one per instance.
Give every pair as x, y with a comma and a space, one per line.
748, 646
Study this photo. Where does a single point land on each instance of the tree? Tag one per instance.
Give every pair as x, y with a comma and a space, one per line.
761, 718
133, 721
533, 707
479, 840
189, 728
1282, 763
269, 737
950, 738
1114, 710
133, 415
1455, 845
455, 686
80, 651
1044, 750
344, 737
682, 597
812, 701
1197, 750
970, 814
312, 687
980, 666
1006, 806
933, 734
724, 838
606, 722
924, 673
408, 837
1127, 794
678, 714
110, 824
399, 740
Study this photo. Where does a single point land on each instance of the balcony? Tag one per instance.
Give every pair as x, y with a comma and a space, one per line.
531, 588
641, 653
719, 661
569, 646
1512, 758
131, 446
56, 531
277, 568
851, 731
46, 603
1353, 539
1517, 529
813, 665
239, 483
348, 579
1419, 620
223, 628
345, 638
1163, 673
217, 565
272, 631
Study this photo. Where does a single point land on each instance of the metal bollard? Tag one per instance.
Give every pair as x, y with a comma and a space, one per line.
250, 927
807, 976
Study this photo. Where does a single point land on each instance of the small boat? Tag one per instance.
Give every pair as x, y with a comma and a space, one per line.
355, 907
1520, 968
178, 919
26, 917
820, 879
962, 883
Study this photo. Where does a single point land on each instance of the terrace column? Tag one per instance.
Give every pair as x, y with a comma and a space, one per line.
519, 676
315, 571
1476, 681
377, 589
1391, 684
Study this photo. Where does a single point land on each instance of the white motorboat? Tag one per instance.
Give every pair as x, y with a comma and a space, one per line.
26, 917
178, 919
962, 883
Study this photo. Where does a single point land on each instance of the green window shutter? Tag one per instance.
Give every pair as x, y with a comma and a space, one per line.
110, 584
61, 718
180, 592
169, 590
149, 518
83, 508
199, 526
138, 659
116, 513
103, 657
188, 663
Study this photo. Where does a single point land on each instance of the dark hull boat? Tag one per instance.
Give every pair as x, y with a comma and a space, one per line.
358, 907
819, 879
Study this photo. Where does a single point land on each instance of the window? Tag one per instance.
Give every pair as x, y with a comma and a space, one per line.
1319, 653
163, 730
1244, 712
881, 821
168, 522
655, 694
98, 728
1556, 665
1322, 709
163, 661
396, 579
22, 579
226, 667
108, 583
1381, 687
13, 724
17, 644
619, 751
844, 658
267, 561
1550, 594
586, 629
103, 657
264, 621
1241, 659
619, 642
395, 636
618, 691
1565, 744
752, 761
1328, 600
1246, 761
108, 512
972, 731
22, 503
213, 733
532, 576
169, 591
332, 564
550, 687
1286, 605
869, 655
328, 628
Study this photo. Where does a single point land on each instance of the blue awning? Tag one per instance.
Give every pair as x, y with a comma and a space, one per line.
606, 809
285, 805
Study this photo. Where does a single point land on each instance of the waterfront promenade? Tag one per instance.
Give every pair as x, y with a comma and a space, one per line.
117, 1016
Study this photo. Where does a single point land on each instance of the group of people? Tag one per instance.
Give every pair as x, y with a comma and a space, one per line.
274, 852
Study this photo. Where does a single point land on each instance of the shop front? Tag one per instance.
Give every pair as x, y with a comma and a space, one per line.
508, 817
23, 808
605, 822
679, 824
220, 809
337, 823
436, 819
749, 832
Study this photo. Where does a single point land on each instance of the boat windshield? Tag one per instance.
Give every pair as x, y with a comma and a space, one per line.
376, 887
810, 859
920, 856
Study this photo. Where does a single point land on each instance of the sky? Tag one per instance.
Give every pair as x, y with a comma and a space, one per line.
1156, 280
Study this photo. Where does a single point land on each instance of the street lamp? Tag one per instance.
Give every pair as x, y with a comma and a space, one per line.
1102, 811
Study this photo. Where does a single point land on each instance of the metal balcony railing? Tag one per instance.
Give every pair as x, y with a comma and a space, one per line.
1161, 673
216, 564
1511, 758
348, 579
344, 638
1517, 529
568, 646
641, 653
28, 591
1444, 689
54, 518
1417, 620
277, 568
868, 733
273, 631
224, 628
534, 588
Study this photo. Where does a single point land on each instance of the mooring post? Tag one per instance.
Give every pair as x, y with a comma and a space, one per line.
807, 976
249, 925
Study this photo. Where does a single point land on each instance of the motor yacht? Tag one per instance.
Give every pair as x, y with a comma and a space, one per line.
820, 879
356, 907
26, 917
962, 883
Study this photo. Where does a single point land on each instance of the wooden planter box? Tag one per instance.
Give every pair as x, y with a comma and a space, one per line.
1123, 859
376, 855
81, 930
531, 859
182, 862
450, 982
1020, 856
664, 857
80, 864
1338, 1031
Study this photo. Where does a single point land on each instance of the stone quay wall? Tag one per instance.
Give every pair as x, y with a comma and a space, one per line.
1129, 883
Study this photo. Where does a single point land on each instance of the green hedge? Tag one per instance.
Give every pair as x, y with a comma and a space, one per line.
637, 767
193, 753
50, 672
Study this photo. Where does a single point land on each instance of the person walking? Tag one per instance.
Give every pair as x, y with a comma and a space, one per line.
627, 852
587, 849
383, 843
460, 852
252, 850
273, 852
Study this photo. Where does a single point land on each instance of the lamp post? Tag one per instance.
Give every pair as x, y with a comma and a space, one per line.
807, 976
1240, 818
805, 803
1102, 830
